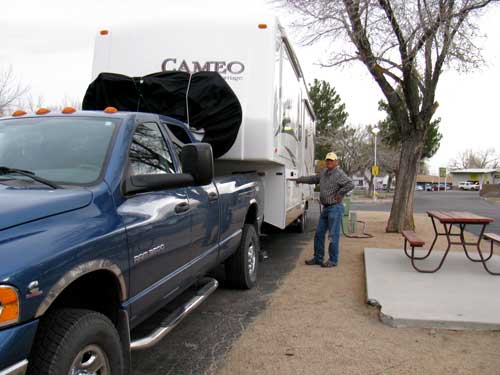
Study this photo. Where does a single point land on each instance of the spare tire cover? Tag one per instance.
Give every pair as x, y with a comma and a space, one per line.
211, 108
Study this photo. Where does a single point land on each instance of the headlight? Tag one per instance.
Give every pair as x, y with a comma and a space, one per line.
9, 305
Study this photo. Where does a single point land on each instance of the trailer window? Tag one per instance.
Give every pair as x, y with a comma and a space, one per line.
290, 87
292, 58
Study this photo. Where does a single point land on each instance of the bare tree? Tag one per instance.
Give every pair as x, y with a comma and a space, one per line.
69, 101
350, 144
32, 103
487, 158
406, 43
12, 90
388, 160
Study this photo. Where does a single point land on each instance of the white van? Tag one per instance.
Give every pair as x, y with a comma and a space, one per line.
254, 55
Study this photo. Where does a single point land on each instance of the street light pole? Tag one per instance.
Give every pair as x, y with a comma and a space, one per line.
375, 131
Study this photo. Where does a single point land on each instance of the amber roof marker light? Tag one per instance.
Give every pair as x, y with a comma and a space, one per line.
42, 111
104, 32
19, 112
68, 110
110, 110
262, 26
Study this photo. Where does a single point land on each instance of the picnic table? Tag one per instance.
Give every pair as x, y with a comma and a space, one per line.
449, 220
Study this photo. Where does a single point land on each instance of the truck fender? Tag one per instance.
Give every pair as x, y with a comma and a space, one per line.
74, 274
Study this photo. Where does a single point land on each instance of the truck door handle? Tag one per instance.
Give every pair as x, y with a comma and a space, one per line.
212, 196
182, 207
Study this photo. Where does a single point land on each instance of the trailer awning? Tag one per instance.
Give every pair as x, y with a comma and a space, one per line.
211, 108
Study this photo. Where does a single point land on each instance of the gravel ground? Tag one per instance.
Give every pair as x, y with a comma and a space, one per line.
318, 322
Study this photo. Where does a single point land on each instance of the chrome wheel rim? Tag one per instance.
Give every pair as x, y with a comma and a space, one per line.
92, 360
252, 259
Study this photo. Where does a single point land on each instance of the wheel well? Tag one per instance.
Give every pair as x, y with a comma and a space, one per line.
98, 291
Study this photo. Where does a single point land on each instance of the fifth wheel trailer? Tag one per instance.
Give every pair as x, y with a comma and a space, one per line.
254, 55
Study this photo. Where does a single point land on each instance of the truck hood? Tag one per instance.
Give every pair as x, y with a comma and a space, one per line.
22, 206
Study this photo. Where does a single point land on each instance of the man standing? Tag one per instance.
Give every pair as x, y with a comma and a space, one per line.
334, 185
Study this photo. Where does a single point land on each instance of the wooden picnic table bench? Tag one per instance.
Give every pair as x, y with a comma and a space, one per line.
492, 237
449, 219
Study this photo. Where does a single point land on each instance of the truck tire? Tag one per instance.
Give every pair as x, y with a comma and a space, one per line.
76, 341
242, 266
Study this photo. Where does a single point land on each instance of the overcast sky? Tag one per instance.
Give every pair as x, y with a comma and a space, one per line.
49, 45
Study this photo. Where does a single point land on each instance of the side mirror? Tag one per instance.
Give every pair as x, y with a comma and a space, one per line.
154, 182
197, 160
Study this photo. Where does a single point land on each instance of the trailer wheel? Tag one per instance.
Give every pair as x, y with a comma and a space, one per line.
242, 266
76, 341
300, 225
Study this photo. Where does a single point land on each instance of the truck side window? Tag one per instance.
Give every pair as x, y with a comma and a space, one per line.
149, 153
178, 136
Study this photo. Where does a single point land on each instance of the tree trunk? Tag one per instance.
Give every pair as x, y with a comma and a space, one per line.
389, 182
401, 217
370, 186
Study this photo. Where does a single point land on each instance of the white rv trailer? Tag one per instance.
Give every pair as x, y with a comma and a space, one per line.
254, 55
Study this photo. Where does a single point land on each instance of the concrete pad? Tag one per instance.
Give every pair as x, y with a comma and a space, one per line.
460, 296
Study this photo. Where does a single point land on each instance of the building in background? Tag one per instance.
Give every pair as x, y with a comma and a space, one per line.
362, 183
481, 175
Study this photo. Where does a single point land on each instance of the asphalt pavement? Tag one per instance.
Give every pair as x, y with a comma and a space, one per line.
454, 200
198, 344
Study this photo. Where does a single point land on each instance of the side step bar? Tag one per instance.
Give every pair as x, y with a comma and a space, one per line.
176, 316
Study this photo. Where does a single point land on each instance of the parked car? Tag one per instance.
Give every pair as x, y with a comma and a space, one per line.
438, 187
428, 187
419, 188
105, 218
469, 185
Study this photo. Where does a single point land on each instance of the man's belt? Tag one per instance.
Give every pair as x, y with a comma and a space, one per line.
330, 204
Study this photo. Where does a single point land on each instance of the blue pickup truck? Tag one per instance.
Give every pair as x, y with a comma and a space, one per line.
105, 217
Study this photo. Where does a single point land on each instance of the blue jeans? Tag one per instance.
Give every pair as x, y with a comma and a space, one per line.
330, 220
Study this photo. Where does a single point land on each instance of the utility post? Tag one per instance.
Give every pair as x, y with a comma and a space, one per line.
375, 168
443, 173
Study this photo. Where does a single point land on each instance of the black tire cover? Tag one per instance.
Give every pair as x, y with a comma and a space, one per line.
213, 105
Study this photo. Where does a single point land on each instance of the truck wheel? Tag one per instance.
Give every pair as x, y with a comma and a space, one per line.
76, 341
242, 266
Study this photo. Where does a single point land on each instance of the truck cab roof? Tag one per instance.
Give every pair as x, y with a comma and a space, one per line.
119, 114
123, 115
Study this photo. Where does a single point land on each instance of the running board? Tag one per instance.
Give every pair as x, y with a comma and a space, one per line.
176, 316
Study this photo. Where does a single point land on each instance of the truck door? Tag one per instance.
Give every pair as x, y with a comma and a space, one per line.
204, 203
204, 206
158, 225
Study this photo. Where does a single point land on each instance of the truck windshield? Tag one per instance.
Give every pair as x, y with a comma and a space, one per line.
66, 150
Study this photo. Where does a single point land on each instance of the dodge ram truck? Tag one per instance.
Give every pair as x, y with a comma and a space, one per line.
105, 217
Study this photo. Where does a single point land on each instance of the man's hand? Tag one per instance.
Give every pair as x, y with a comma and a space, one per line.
338, 198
